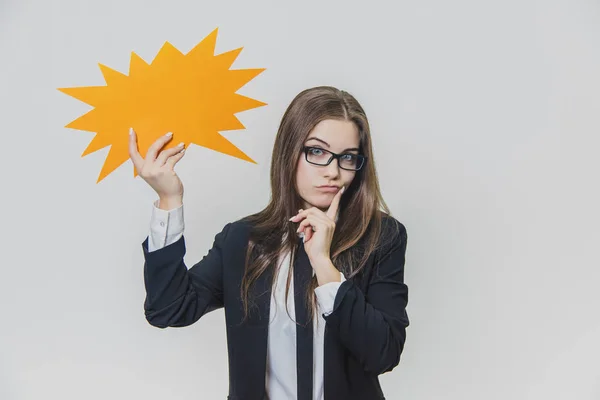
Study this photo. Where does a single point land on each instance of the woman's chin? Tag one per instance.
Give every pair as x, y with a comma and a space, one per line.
322, 202
319, 200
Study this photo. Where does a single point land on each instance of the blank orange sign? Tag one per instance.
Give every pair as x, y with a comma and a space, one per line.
192, 95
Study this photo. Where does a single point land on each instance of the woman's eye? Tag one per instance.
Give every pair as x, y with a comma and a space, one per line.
349, 157
316, 152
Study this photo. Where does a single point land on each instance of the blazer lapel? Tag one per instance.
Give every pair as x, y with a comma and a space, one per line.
251, 340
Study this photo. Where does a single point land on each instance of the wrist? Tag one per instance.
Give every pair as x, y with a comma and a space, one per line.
170, 203
326, 272
321, 263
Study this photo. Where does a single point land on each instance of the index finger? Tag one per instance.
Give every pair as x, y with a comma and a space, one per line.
157, 145
332, 211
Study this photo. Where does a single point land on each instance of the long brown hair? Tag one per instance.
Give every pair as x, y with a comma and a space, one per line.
360, 208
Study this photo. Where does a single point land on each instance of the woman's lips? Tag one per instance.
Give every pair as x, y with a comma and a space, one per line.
328, 189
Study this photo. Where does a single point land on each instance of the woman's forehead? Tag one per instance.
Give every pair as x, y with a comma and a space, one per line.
335, 134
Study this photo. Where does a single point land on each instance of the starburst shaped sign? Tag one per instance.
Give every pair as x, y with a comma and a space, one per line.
192, 95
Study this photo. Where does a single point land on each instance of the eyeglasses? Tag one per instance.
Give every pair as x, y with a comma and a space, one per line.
347, 161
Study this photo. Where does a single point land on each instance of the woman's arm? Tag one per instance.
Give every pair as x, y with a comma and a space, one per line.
176, 296
373, 328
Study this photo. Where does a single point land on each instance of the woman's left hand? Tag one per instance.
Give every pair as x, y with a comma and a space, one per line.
318, 227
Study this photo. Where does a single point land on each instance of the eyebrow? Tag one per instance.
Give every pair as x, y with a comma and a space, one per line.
327, 144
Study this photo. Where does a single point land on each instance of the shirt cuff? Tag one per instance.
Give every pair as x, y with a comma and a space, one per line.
166, 226
326, 295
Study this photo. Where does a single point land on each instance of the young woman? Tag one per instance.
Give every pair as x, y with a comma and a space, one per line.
313, 285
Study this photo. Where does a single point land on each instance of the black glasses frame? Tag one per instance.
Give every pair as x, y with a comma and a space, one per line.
361, 158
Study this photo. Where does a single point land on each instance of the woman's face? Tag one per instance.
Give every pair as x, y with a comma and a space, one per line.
338, 137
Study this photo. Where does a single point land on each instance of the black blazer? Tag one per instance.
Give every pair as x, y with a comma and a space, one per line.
364, 335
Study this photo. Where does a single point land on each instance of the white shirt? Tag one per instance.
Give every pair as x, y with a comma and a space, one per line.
166, 227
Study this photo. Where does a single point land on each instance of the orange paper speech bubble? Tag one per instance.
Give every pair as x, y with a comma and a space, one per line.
192, 95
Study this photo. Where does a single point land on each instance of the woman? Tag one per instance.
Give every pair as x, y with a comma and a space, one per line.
322, 239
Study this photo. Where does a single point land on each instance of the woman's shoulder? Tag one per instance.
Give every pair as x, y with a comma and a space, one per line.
392, 234
391, 227
240, 227
235, 227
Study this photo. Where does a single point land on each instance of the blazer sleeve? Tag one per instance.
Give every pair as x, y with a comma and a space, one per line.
373, 327
176, 296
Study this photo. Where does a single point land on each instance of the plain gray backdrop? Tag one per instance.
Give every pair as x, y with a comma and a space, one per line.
485, 124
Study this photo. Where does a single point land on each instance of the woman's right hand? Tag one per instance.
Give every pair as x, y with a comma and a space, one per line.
158, 170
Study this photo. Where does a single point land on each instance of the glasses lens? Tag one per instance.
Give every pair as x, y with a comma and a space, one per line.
321, 157
349, 161
317, 156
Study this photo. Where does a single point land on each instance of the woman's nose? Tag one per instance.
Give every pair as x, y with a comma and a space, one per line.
333, 169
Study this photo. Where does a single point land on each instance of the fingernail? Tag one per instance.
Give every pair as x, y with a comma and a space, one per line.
343, 188
180, 144
169, 134
130, 131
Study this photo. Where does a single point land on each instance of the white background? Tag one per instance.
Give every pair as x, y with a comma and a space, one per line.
485, 119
